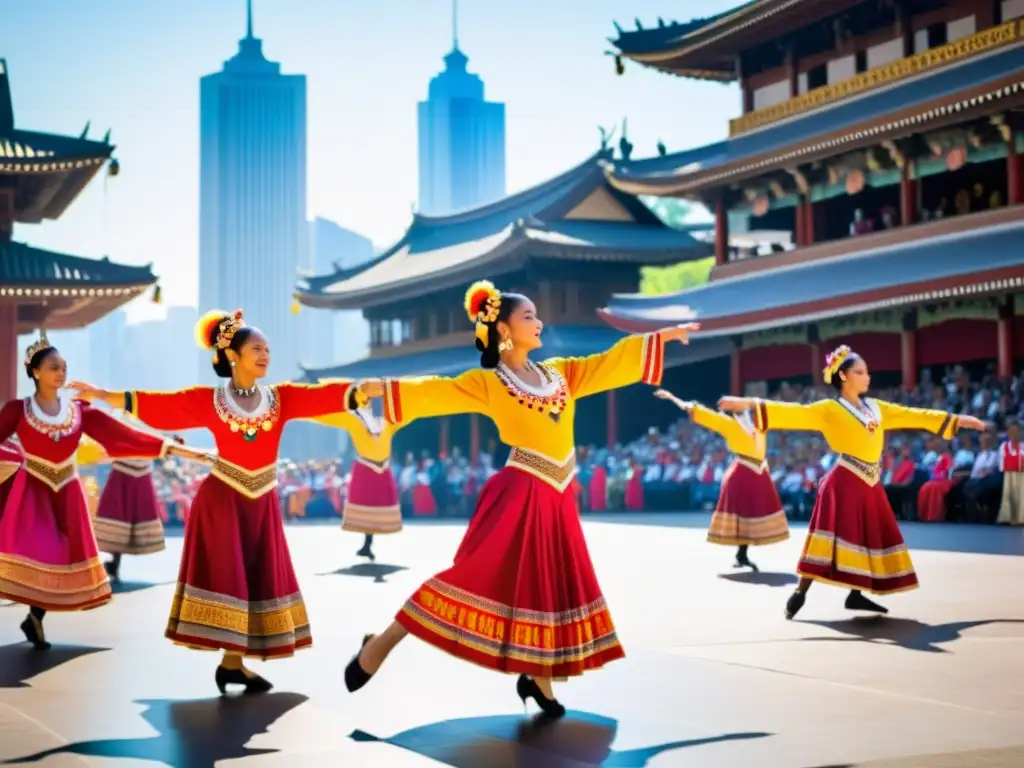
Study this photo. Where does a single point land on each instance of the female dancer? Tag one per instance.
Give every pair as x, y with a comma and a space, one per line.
522, 596
128, 520
749, 511
237, 591
371, 504
48, 556
853, 539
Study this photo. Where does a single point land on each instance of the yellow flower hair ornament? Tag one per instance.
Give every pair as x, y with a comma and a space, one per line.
834, 362
482, 304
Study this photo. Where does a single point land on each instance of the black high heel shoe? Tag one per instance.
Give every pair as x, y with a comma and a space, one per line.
355, 676
34, 634
527, 688
253, 684
794, 604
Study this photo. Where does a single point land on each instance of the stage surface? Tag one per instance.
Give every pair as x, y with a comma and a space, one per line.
714, 675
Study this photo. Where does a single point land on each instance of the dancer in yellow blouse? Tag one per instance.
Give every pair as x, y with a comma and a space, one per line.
522, 596
749, 511
371, 504
853, 539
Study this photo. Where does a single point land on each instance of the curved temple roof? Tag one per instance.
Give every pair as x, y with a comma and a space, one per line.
576, 215
923, 270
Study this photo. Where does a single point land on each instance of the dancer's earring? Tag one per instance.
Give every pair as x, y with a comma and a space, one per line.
505, 345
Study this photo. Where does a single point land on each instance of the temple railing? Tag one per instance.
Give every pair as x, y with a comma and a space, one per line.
982, 42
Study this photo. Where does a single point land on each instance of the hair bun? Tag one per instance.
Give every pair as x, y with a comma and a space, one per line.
205, 326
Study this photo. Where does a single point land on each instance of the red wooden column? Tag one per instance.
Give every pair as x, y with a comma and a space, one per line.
612, 418
908, 350
736, 370
808, 221
443, 436
1004, 343
9, 351
1014, 188
474, 437
908, 195
721, 232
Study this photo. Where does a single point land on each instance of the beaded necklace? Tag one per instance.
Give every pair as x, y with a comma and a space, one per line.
554, 395
65, 423
265, 417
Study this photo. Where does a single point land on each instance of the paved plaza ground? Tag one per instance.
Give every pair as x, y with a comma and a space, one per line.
714, 677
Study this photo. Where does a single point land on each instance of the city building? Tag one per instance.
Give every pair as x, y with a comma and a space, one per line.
570, 243
41, 174
252, 194
886, 140
461, 139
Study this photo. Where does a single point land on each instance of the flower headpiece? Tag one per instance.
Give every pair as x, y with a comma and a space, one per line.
37, 347
217, 328
483, 302
835, 360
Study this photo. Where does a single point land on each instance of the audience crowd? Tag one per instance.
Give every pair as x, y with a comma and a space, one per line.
681, 466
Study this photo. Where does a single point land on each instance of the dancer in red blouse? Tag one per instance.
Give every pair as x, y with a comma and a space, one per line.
236, 590
48, 555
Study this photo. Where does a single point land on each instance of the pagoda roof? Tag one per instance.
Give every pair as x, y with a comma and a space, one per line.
913, 272
946, 96
50, 169
706, 48
575, 216
59, 291
559, 341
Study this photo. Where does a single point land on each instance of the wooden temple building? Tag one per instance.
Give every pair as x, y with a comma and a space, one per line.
40, 175
569, 243
887, 137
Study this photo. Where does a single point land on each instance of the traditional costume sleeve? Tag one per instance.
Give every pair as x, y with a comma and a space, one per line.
631, 360
172, 411
307, 401
119, 440
10, 417
90, 452
724, 425
940, 423
408, 399
772, 415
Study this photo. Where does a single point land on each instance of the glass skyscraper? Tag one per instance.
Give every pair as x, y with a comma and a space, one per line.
252, 195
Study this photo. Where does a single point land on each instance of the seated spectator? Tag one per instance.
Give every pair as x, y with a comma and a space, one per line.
931, 498
901, 484
1011, 463
984, 487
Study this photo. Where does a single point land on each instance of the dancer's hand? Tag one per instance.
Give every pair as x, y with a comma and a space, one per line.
731, 404
87, 392
371, 388
680, 333
664, 394
972, 422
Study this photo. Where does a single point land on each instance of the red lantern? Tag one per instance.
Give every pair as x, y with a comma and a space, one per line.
956, 159
761, 206
854, 182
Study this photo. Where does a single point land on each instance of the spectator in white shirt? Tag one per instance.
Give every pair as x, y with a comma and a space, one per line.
982, 490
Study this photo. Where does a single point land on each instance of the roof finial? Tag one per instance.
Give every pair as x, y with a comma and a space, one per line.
248, 19
455, 25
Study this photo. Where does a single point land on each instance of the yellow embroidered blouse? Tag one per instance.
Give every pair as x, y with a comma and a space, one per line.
370, 446
849, 431
542, 441
742, 442
90, 452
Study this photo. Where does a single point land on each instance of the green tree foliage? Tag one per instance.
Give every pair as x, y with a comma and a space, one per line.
686, 216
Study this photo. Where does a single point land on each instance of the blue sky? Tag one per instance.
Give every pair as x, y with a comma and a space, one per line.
134, 66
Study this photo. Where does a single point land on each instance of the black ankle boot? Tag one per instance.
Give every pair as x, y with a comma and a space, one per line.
795, 603
527, 688
32, 626
855, 601
252, 683
743, 560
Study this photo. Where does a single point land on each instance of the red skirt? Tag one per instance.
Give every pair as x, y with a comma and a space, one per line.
522, 596
48, 555
423, 501
853, 539
634, 494
749, 511
372, 505
931, 500
236, 587
128, 520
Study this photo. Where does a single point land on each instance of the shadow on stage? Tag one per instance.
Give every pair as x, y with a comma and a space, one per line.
376, 571
580, 739
910, 634
127, 587
761, 578
20, 662
192, 734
